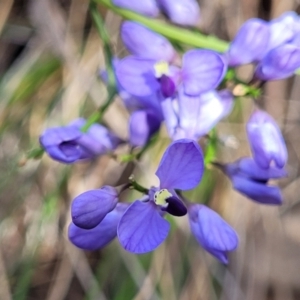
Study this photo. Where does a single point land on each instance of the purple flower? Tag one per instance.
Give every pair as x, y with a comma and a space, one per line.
202, 70
250, 43
283, 29
90, 208
279, 63
193, 117
212, 232
156, 46
182, 12
142, 125
142, 228
131, 102
146, 7
266, 141
270, 42
252, 181
99, 236
68, 144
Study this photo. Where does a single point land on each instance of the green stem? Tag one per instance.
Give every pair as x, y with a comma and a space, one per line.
111, 80
149, 144
195, 39
134, 185
35, 153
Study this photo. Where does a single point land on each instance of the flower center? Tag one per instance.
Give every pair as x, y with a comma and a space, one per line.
161, 196
161, 68
162, 73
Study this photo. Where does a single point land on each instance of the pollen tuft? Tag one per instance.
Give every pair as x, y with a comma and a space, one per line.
161, 68
161, 196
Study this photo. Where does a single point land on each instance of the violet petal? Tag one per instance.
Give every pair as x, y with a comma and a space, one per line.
266, 140
256, 191
202, 71
146, 7
251, 169
181, 166
142, 125
97, 140
60, 143
283, 29
198, 115
279, 63
145, 43
99, 236
250, 43
141, 228
182, 12
212, 232
56, 135
89, 208
170, 115
136, 76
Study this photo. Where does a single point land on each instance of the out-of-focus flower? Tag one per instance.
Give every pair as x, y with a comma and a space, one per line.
252, 181
266, 141
250, 43
212, 232
68, 144
182, 12
142, 228
145, 7
102, 234
90, 208
142, 125
279, 63
143, 42
193, 117
273, 45
202, 70
283, 29
132, 103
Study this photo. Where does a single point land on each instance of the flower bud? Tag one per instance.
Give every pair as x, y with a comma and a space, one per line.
283, 29
182, 12
251, 180
99, 236
266, 141
60, 143
90, 208
212, 232
68, 144
145, 43
279, 63
249, 44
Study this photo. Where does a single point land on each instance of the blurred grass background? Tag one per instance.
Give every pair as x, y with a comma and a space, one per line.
50, 55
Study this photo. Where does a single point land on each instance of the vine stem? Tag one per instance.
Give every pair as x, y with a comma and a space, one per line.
134, 185
178, 34
111, 80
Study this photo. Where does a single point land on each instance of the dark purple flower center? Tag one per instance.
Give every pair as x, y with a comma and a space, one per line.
169, 203
167, 86
175, 207
262, 181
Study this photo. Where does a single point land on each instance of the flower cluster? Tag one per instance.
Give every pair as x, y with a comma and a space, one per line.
183, 87
273, 46
98, 217
190, 94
